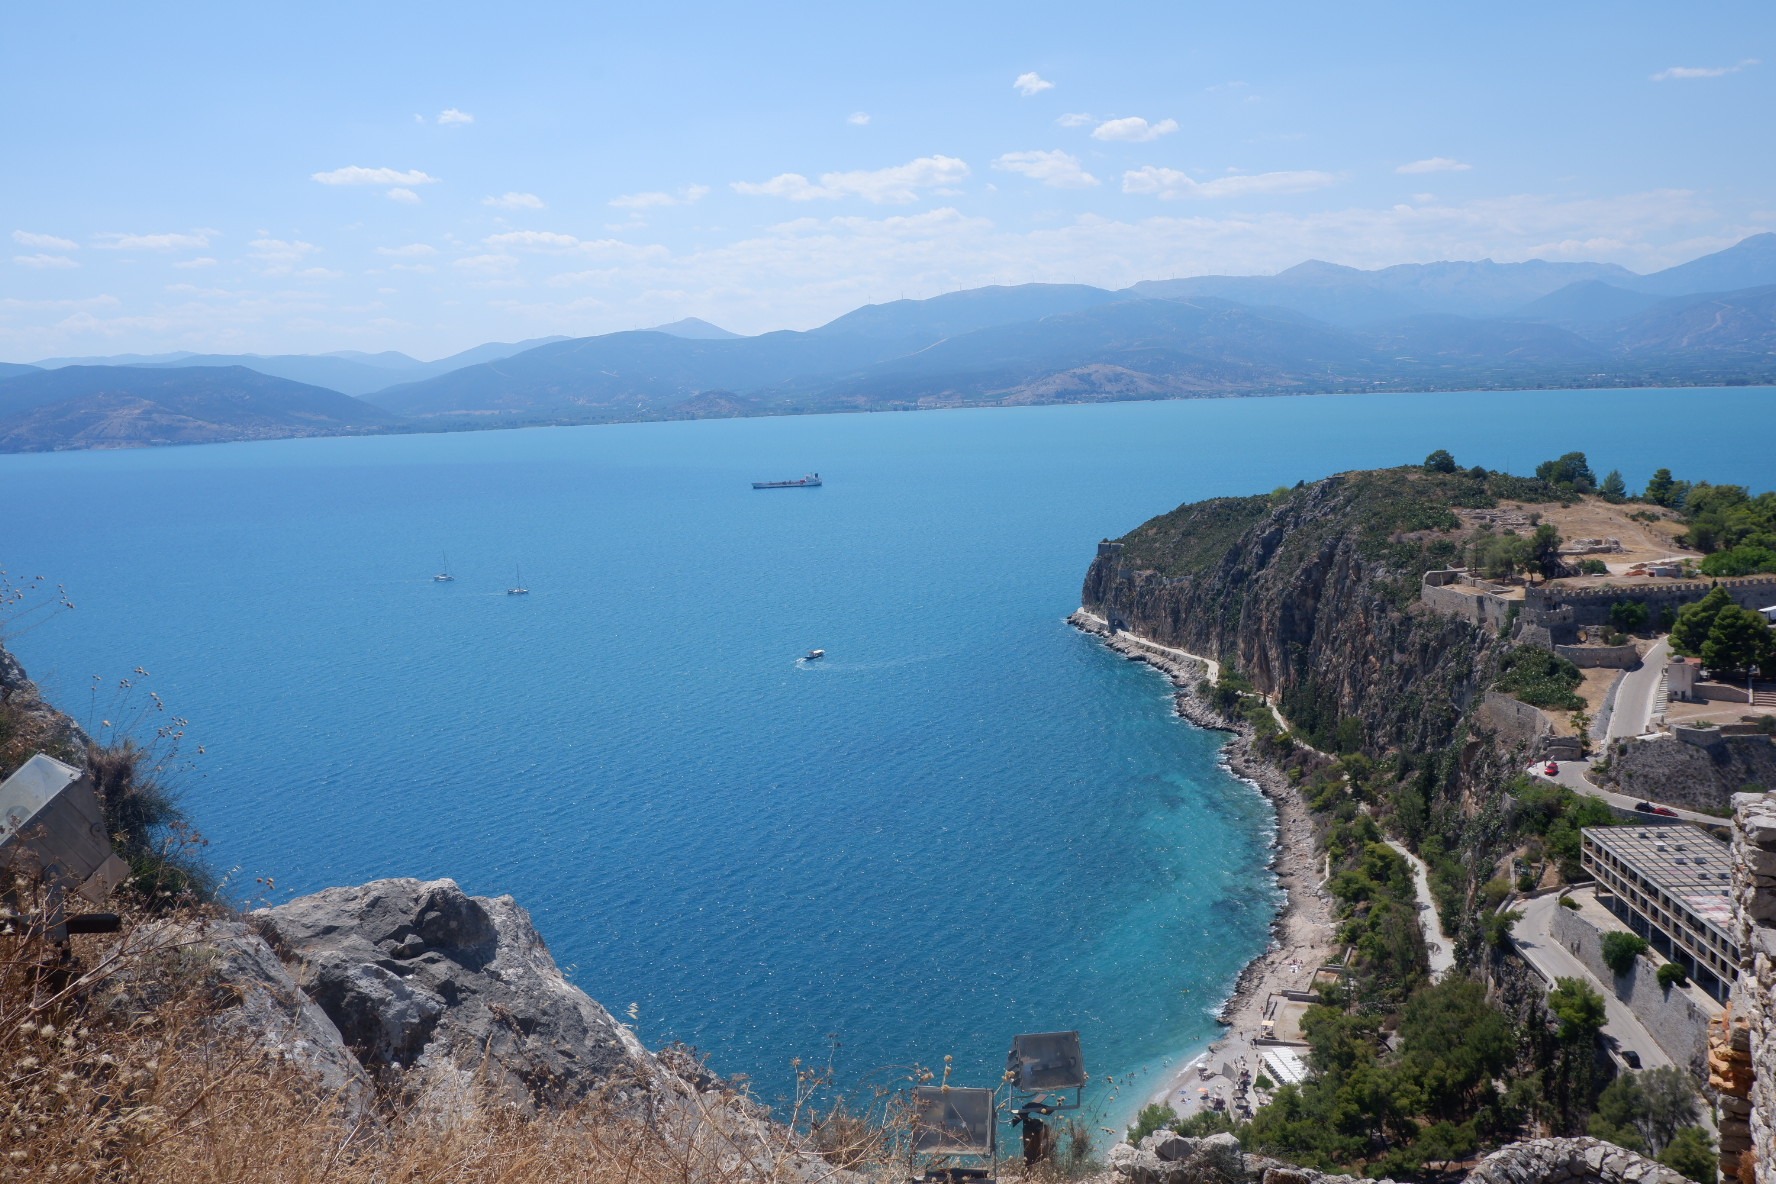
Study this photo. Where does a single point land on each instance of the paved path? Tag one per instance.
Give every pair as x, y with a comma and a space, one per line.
1533, 939
1633, 712
1575, 775
1442, 956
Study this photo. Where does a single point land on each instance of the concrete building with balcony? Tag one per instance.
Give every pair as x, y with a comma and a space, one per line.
1674, 887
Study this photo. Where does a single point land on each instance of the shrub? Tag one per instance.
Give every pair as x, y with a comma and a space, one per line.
1621, 949
1567, 902
1541, 678
1672, 975
1692, 1152
1150, 1119
1593, 567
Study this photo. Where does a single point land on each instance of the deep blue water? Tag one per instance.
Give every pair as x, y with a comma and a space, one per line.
967, 821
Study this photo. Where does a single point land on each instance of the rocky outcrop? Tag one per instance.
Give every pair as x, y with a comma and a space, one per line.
1168, 1158
1315, 600
1702, 774
452, 992
33, 725
1754, 995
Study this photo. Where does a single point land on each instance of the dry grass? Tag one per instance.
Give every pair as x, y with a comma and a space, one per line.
113, 1068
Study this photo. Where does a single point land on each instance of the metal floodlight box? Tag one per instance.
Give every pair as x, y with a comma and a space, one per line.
51, 823
952, 1121
1046, 1060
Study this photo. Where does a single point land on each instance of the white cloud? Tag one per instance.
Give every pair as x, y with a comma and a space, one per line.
896, 185
403, 195
1076, 119
1684, 73
535, 239
319, 273
1170, 184
113, 241
1031, 83
1435, 164
487, 263
410, 251
858, 118
43, 262
689, 195
451, 115
514, 201
280, 256
358, 175
1058, 169
200, 261
1133, 129
43, 242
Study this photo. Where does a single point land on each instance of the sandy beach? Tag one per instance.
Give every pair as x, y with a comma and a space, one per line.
1301, 935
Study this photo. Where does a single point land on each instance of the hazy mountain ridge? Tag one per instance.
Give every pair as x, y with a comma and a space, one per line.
129, 407
1561, 324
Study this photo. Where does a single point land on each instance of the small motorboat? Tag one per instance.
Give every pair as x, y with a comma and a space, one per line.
813, 655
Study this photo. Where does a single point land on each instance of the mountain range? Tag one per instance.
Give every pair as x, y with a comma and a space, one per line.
1315, 327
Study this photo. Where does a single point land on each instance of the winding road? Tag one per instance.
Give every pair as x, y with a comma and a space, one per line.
1639, 689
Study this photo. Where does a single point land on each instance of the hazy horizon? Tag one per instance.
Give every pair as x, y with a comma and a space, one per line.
422, 180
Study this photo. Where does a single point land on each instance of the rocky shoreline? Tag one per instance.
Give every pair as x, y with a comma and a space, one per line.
1301, 934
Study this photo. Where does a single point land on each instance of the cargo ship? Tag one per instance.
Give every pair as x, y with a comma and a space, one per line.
811, 481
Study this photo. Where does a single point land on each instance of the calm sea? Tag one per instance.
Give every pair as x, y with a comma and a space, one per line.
966, 822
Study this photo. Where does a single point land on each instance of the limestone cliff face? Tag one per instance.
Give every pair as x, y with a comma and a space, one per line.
1311, 594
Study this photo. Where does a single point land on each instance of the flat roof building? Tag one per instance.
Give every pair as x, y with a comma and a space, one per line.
1673, 886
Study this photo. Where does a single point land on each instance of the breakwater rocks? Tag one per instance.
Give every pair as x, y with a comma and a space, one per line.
1168, 1158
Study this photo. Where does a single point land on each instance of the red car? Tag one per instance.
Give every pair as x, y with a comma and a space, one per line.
1669, 813
1551, 768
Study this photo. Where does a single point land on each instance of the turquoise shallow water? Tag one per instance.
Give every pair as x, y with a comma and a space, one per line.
968, 821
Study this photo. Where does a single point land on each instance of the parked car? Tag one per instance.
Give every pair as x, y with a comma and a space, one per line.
1666, 811
1646, 807
1631, 1057
1551, 768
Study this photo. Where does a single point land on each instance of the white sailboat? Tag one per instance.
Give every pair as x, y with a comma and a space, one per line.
518, 588
444, 576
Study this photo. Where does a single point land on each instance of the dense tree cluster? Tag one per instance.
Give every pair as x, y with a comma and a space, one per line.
1730, 640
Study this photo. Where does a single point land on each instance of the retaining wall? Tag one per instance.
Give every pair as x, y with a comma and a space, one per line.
1600, 657
1515, 721
1676, 1017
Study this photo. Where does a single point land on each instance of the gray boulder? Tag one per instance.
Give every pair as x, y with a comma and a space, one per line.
452, 991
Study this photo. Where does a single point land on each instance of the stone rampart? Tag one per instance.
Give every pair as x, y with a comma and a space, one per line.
1464, 601
1677, 1017
1754, 995
1560, 604
1600, 657
1516, 722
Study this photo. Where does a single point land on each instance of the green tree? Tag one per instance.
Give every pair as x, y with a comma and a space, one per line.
1544, 551
1629, 616
1738, 640
1440, 461
1579, 1009
1614, 489
1745, 559
1621, 1110
1659, 489
1569, 469
1694, 621
1692, 1152
1669, 1105
1150, 1119
1621, 949
1672, 975
1453, 1043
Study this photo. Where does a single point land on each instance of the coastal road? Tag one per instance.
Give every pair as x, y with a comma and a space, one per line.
1442, 955
1575, 775
1534, 940
1633, 712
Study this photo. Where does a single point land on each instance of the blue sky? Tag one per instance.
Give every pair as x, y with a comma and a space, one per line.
429, 177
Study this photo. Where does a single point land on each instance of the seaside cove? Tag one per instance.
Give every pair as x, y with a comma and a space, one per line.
969, 820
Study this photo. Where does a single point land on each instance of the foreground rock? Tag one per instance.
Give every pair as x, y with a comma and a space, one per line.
460, 993
1168, 1158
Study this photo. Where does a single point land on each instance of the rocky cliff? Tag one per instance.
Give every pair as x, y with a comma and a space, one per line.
1311, 593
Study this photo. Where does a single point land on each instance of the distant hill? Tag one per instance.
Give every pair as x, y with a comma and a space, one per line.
14, 369
347, 371
131, 407
1352, 297
1588, 305
694, 328
1749, 263
1721, 329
